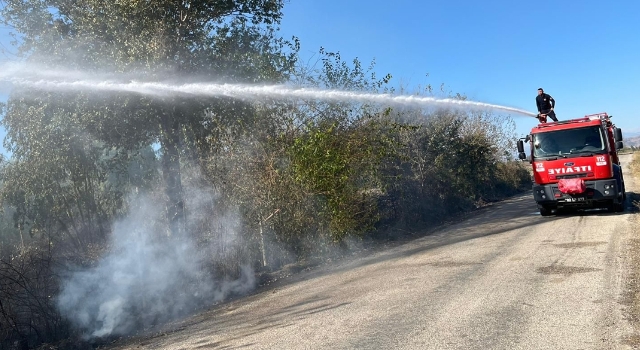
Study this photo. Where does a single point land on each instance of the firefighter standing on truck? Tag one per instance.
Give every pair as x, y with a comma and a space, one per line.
545, 103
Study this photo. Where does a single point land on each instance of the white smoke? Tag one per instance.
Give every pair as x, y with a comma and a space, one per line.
57, 80
147, 278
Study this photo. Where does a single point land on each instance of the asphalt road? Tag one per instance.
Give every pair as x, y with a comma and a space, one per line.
506, 278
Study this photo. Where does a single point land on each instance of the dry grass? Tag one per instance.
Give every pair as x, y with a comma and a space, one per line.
635, 165
631, 296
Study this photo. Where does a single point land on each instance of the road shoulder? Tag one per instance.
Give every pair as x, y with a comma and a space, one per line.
630, 299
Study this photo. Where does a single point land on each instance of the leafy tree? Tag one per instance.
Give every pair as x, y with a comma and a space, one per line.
228, 40
338, 156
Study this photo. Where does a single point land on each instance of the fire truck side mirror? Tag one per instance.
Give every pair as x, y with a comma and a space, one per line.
521, 154
617, 134
619, 145
520, 145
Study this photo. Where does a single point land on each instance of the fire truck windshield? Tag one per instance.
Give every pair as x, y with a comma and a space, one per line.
569, 142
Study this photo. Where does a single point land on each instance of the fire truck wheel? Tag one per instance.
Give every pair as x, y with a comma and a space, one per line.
616, 207
544, 211
619, 207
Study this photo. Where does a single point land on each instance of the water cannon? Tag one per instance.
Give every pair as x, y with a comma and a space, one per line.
542, 118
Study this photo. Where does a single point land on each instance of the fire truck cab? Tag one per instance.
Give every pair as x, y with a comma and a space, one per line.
575, 164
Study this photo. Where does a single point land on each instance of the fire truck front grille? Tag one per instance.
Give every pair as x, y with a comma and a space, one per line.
571, 176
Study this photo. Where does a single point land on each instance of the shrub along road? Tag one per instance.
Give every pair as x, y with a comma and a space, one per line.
504, 278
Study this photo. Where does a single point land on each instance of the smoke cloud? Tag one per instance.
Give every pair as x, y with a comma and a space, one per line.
147, 278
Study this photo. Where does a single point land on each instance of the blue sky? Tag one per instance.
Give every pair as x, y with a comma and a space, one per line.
585, 53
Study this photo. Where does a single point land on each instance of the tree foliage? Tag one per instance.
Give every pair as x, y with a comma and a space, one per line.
233, 41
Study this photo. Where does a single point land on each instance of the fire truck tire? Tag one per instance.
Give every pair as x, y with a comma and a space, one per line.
616, 206
544, 211
619, 207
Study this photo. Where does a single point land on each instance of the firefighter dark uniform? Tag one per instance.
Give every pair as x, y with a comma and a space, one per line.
546, 104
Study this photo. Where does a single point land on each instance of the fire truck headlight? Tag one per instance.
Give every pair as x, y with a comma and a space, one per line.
606, 191
544, 197
606, 187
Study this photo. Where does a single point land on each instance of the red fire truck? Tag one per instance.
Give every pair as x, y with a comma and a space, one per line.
576, 165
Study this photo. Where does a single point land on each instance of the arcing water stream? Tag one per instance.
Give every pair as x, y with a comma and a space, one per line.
22, 76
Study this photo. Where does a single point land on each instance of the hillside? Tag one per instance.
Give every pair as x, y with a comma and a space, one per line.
633, 141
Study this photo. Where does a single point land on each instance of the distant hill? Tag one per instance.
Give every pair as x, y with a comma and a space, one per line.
633, 141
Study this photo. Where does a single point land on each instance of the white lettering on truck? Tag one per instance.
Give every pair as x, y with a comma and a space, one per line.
570, 170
